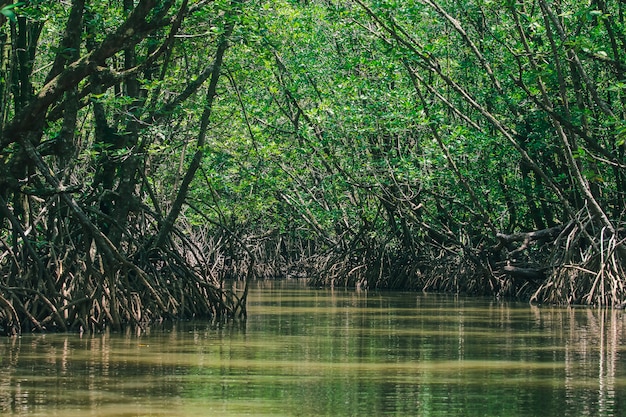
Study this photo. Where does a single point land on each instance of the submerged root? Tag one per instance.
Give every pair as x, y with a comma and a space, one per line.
435, 269
79, 287
588, 269
576, 263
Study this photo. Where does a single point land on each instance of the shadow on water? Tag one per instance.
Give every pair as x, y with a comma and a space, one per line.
305, 352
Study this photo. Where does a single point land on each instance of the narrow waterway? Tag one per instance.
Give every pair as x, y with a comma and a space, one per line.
308, 352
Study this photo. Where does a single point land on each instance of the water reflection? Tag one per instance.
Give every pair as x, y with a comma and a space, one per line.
320, 352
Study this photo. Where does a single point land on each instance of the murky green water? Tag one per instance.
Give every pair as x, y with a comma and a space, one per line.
309, 352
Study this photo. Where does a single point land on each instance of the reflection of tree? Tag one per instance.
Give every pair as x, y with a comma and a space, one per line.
610, 342
591, 342
308, 352
9, 358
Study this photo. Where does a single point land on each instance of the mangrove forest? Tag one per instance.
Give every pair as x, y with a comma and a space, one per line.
158, 155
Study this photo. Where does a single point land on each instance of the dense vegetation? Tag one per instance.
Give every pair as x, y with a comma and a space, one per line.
151, 151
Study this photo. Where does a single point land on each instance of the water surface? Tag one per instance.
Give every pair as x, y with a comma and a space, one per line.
305, 352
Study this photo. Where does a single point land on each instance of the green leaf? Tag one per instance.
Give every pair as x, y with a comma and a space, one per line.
8, 12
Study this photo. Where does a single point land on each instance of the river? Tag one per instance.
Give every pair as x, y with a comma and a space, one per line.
314, 352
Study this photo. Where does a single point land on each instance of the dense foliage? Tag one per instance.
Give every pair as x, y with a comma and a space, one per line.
156, 149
